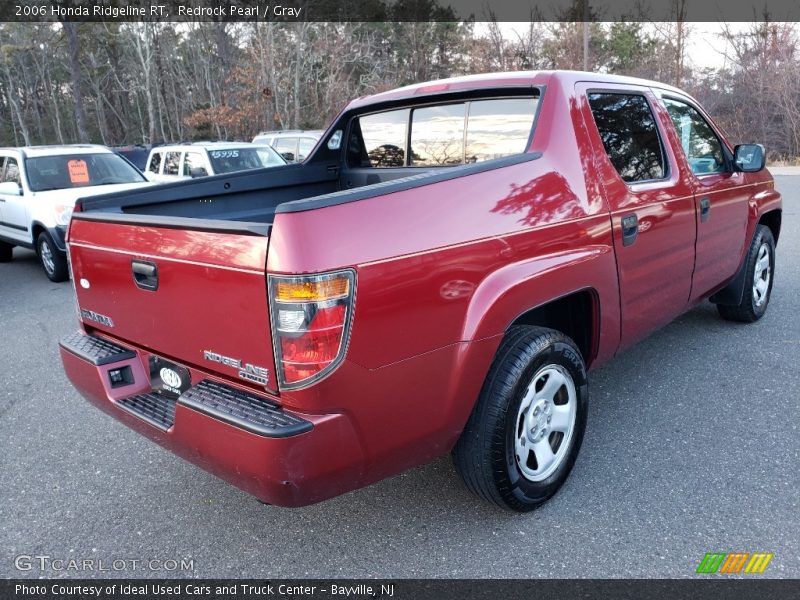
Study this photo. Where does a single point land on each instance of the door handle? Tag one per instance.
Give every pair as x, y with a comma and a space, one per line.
630, 229
705, 209
145, 274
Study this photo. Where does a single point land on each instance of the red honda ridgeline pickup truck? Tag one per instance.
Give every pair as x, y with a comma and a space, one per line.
438, 275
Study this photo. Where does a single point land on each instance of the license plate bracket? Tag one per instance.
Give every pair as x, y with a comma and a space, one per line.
167, 378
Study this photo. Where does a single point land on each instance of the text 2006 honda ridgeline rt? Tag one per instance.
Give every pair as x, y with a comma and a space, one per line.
437, 276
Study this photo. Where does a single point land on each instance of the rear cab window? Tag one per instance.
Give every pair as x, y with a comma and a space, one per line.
442, 135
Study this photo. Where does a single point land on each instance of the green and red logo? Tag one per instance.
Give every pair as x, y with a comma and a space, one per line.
734, 562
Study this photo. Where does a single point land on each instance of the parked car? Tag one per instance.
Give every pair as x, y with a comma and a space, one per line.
439, 275
293, 144
137, 154
200, 159
38, 188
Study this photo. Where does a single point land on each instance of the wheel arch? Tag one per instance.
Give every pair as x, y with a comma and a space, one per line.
576, 315
772, 219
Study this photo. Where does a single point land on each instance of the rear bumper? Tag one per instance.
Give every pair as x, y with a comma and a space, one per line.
279, 456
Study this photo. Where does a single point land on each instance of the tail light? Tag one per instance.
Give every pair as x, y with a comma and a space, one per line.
311, 318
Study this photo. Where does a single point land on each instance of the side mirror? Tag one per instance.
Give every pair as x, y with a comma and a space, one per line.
10, 188
198, 172
749, 158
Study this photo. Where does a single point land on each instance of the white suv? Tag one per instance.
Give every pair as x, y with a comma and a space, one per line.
38, 189
199, 159
292, 144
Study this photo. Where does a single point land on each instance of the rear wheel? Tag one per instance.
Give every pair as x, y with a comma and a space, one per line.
759, 272
525, 432
53, 260
6, 251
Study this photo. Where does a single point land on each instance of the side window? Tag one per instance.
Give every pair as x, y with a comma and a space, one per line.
437, 135
304, 146
193, 160
171, 163
382, 141
287, 147
630, 135
497, 128
11, 172
700, 144
155, 162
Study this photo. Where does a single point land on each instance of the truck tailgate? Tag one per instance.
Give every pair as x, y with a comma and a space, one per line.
193, 292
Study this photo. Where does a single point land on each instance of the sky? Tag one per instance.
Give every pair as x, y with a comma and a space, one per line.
706, 48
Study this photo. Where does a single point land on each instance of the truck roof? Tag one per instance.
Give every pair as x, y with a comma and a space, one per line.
502, 79
202, 145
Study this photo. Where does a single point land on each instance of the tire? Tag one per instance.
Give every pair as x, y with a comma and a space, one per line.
759, 268
517, 412
6, 252
54, 262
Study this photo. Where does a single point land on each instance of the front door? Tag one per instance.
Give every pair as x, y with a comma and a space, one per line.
721, 197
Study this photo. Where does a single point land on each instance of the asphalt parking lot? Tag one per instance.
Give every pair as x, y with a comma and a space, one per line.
692, 447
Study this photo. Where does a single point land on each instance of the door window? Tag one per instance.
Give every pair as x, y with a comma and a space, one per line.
193, 160
11, 172
155, 162
630, 136
287, 147
700, 144
172, 163
304, 146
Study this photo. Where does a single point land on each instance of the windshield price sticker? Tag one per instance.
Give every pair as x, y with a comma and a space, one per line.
78, 171
225, 154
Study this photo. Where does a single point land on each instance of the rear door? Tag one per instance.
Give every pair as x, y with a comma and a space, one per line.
193, 292
15, 221
651, 201
721, 196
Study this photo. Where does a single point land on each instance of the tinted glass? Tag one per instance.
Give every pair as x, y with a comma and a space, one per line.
630, 136
193, 160
243, 159
701, 146
497, 128
155, 162
79, 170
437, 136
171, 163
384, 139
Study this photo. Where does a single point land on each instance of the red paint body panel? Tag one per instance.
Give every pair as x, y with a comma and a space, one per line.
442, 271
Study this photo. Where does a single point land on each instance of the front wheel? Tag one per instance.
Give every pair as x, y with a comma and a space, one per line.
525, 431
53, 260
759, 272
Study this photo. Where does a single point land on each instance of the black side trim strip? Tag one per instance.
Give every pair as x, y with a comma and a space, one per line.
14, 242
403, 184
12, 226
95, 350
243, 228
244, 410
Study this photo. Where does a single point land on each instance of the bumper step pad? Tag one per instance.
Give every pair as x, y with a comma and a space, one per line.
95, 350
156, 409
243, 410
